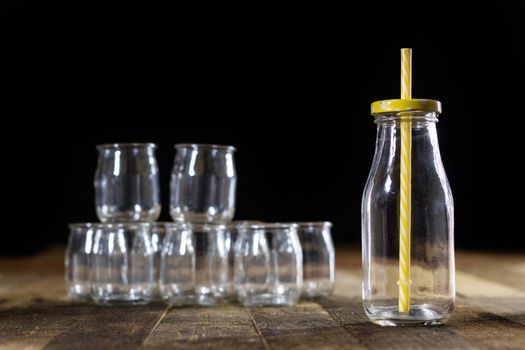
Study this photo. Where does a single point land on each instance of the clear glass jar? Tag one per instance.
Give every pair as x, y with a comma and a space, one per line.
122, 264
194, 264
318, 258
432, 281
268, 264
77, 260
158, 233
231, 234
203, 183
127, 183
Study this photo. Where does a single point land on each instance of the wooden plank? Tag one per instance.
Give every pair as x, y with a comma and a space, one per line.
27, 329
35, 314
48, 262
486, 330
39, 277
223, 327
115, 327
507, 269
512, 309
63, 325
472, 286
348, 257
347, 283
23, 289
349, 313
304, 326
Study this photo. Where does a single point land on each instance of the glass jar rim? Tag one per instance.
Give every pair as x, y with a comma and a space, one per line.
237, 223
203, 226
124, 225
269, 225
314, 224
126, 145
167, 224
206, 146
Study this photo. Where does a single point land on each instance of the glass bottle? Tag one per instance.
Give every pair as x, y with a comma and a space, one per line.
203, 183
431, 256
127, 183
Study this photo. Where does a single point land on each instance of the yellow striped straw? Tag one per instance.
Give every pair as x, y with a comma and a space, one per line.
406, 178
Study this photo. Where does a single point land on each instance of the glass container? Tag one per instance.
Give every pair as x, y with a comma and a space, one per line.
268, 264
127, 183
430, 255
203, 183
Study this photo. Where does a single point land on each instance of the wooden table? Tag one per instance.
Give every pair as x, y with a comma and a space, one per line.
35, 314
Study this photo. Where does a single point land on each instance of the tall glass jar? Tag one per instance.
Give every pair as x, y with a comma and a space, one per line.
203, 183
431, 246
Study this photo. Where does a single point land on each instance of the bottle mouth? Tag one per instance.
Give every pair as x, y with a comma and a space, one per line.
126, 145
205, 146
416, 117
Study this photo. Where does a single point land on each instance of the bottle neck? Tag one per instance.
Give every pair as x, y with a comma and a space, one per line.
424, 145
418, 119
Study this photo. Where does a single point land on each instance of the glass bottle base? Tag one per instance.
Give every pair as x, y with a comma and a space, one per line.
419, 315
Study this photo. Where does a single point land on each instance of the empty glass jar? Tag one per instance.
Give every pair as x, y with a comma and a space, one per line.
194, 264
122, 263
318, 258
127, 183
203, 183
158, 233
77, 261
231, 234
268, 264
430, 258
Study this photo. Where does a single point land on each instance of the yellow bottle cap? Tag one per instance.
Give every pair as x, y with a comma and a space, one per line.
414, 105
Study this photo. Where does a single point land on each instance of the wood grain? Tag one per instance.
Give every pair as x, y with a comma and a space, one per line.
503, 269
304, 326
62, 325
486, 330
350, 315
223, 327
36, 314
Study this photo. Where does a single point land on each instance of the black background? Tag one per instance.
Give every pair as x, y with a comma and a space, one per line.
290, 88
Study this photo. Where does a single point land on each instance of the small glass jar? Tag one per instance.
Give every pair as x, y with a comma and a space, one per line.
318, 258
431, 284
127, 183
231, 234
268, 265
194, 264
77, 260
122, 264
158, 233
203, 183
